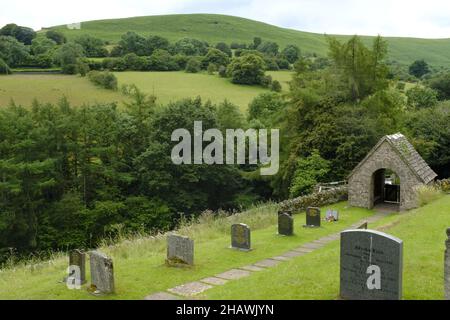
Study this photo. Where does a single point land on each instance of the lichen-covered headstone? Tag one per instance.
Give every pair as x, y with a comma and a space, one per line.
371, 266
447, 266
77, 259
313, 218
102, 273
285, 225
240, 237
180, 251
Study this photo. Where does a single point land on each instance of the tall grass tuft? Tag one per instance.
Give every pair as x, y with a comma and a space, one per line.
428, 194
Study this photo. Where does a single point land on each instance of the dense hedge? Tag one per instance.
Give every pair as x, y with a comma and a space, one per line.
105, 79
317, 199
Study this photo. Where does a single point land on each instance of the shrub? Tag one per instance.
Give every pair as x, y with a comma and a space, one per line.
56, 36
419, 97
223, 71
82, 68
247, 69
276, 86
4, 68
427, 194
444, 185
266, 81
211, 68
193, 65
104, 79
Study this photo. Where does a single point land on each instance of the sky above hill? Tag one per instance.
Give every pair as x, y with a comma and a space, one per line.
409, 18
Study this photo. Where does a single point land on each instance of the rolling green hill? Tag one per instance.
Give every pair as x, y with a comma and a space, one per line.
214, 28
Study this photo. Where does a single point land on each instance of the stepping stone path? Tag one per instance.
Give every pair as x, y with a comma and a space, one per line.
192, 289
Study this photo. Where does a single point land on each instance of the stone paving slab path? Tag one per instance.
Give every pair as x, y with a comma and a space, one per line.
194, 288
190, 289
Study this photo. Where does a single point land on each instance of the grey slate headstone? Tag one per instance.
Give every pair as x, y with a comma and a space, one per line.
180, 251
102, 272
288, 212
285, 225
78, 258
371, 266
313, 218
240, 237
447, 267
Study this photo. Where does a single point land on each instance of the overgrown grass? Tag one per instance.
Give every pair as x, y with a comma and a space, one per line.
215, 28
316, 276
139, 261
428, 194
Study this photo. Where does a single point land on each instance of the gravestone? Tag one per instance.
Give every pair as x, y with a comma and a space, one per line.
102, 273
180, 251
371, 266
332, 216
285, 225
288, 212
240, 237
312, 218
77, 259
447, 266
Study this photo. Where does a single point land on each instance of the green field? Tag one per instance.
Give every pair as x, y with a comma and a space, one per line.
140, 270
23, 89
172, 86
167, 86
214, 28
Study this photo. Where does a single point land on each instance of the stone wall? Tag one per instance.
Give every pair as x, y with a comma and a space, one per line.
361, 183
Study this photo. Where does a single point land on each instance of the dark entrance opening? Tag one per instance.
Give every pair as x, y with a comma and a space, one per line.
386, 189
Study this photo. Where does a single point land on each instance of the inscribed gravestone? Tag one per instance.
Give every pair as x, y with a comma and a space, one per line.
447, 266
102, 272
288, 212
240, 237
285, 225
371, 266
312, 218
180, 250
78, 258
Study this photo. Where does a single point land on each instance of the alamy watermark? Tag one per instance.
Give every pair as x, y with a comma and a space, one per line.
235, 147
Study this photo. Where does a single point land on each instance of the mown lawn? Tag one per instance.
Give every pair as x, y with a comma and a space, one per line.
316, 276
140, 270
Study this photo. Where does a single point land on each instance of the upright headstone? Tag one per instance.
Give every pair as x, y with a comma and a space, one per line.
285, 225
240, 237
102, 273
447, 266
77, 259
313, 218
180, 251
288, 212
371, 266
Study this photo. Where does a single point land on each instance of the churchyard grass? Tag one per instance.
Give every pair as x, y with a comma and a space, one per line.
139, 267
316, 275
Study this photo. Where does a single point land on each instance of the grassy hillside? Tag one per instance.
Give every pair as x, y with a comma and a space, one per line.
214, 28
140, 270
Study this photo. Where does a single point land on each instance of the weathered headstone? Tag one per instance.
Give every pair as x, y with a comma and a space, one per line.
102, 273
77, 258
371, 266
180, 251
332, 216
447, 266
288, 212
285, 225
240, 237
312, 218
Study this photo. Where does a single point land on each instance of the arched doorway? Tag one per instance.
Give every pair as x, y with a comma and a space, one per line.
386, 189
